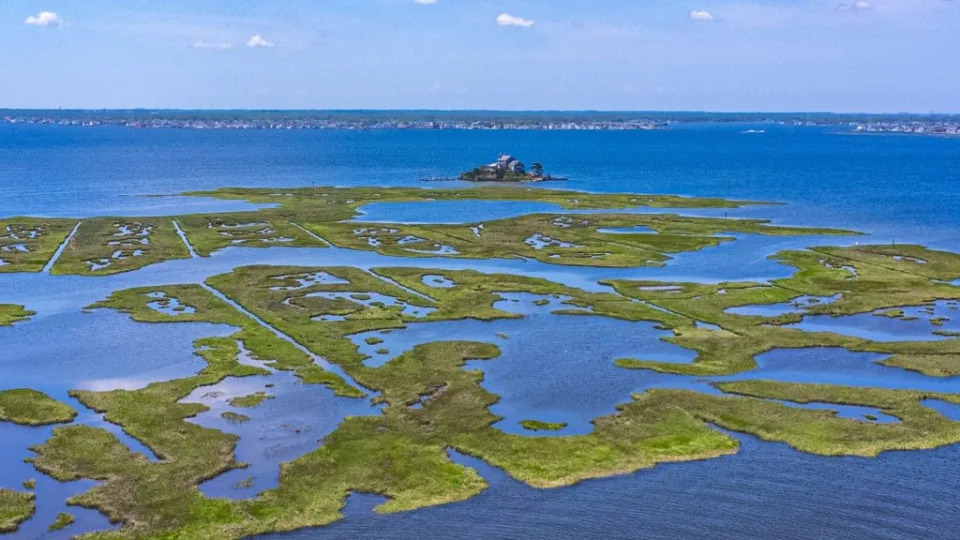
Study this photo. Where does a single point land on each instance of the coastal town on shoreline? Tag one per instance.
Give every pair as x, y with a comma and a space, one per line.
943, 125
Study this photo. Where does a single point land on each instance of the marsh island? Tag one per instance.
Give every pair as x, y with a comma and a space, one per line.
285, 335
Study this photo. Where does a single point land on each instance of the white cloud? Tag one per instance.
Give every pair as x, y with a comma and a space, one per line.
221, 45
425, 2
505, 19
701, 15
858, 5
257, 41
45, 18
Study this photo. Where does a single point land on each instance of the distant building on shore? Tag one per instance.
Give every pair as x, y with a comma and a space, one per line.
505, 169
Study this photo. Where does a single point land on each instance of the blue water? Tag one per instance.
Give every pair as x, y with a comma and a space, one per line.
902, 189
829, 178
798, 304
917, 324
765, 491
570, 357
280, 429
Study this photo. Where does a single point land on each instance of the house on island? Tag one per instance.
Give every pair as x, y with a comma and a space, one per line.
505, 169
508, 163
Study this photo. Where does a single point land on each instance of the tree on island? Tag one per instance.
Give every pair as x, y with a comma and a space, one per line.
536, 169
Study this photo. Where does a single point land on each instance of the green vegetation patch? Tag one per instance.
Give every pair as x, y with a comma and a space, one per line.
27, 244
581, 240
33, 408
537, 425
824, 433
275, 295
317, 217
933, 365
209, 233
858, 279
341, 203
105, 246
235, 418
62, 521
259, 341
12, 313
144, 495
15, 508
475, 293
251, 400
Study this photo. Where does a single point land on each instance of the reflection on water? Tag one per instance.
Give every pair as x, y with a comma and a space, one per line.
82, 350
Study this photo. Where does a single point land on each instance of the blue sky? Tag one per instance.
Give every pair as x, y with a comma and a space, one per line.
729, 55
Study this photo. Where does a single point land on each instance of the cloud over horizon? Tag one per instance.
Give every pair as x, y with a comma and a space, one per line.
257, 41
45, 18
220, 45
505, 19
701, 15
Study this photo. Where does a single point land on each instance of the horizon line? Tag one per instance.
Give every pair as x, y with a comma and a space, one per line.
478, 110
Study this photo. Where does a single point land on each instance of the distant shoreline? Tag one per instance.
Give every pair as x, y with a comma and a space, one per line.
472, 120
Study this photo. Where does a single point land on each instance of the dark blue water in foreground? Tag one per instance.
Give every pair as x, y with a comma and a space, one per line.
552, 367
765, 491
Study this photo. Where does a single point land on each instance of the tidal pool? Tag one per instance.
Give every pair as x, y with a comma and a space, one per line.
286, 426
569, 356
438, 281
100, 350
539, 241
437, 249
51, 494
638, 229
917, 324
950, 410
168, 305
854, 412
309, 280
452, 212
782, 308
374, 299
830, 365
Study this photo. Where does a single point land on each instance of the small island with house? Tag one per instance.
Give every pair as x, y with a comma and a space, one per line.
507, 169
